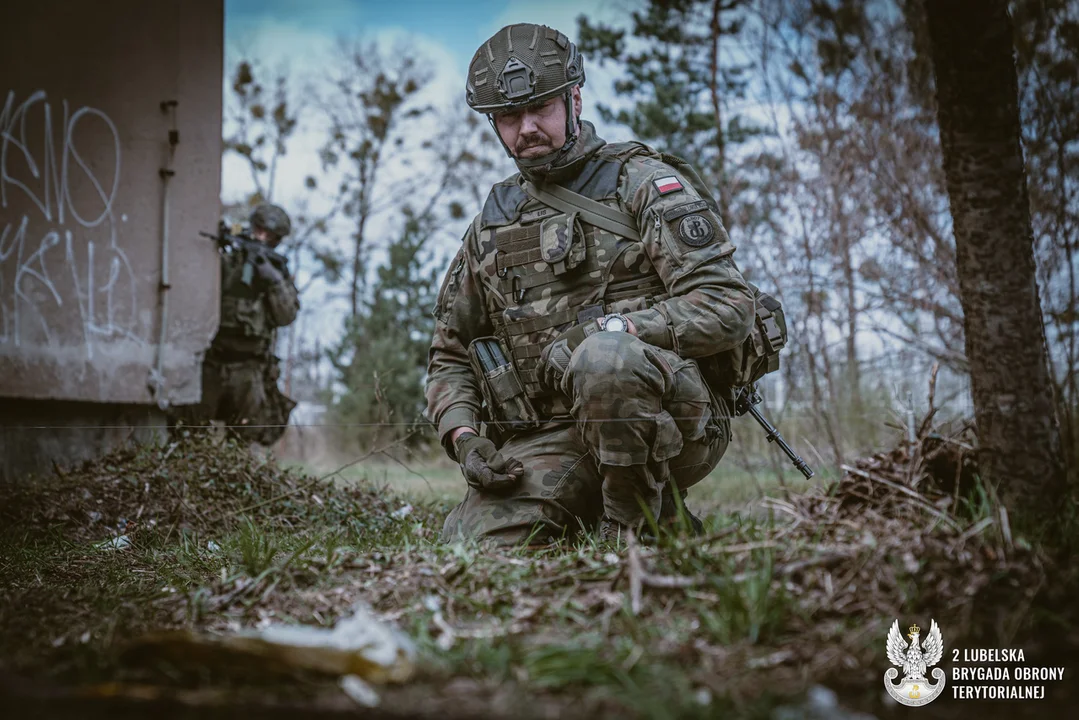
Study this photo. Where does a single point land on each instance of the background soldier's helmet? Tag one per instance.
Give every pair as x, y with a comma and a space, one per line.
272, 218
521, 65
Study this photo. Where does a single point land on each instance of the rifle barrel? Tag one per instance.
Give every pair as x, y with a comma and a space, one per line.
772, 435
252, 248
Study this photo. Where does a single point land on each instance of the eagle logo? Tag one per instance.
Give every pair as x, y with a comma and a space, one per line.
917, 657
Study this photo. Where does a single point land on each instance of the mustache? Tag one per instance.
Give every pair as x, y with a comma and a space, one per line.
532, 140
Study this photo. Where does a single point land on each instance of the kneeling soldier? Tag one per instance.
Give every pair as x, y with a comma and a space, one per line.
570, 319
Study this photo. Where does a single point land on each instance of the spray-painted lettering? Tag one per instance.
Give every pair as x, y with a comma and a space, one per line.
59, 256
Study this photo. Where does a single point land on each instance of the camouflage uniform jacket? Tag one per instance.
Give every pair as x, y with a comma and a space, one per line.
679, 284
254, 303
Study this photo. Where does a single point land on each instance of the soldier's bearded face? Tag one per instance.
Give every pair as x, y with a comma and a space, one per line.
536, 130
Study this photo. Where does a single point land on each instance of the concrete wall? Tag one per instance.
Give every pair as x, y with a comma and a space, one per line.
38, 436
83, 139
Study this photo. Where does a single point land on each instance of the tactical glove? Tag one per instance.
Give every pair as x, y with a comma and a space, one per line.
554, 360
483, 465
267, 273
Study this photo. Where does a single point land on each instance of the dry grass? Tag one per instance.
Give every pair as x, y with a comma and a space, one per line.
735, 484
800, 590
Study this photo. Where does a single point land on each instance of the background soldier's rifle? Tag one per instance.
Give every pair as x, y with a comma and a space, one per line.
746, 402
253, 254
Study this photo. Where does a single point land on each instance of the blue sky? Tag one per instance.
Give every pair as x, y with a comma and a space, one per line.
457, 26
298, 37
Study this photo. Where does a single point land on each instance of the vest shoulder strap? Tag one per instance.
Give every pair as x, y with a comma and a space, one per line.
623, 151
595, 213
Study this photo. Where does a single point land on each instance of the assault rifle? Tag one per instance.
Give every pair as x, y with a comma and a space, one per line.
252, 252
746, 402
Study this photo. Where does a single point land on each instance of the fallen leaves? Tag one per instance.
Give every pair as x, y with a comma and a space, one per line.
794, 591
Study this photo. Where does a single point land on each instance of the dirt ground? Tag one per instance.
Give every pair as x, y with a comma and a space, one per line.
770, 612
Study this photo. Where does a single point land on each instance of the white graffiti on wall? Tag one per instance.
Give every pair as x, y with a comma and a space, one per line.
60, 261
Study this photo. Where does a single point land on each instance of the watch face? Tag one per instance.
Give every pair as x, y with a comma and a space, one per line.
615, 323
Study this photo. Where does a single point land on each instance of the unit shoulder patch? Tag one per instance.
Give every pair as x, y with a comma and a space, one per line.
696, 230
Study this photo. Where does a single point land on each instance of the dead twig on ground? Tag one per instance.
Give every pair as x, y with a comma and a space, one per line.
916, 499
635, 572
321, 479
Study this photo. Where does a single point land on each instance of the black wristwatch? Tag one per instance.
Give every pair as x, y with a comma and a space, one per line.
614, 322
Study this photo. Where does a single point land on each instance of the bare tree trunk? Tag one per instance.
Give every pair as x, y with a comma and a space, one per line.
851, 407
815, 310
829, 411
357, 267
977, 109
1067, 392
363, 209
721, 144
854, 375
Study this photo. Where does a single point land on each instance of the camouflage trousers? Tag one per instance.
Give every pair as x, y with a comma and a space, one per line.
642, 417
244, 395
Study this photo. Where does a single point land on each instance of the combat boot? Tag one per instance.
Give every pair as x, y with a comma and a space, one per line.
611, 532
668, 516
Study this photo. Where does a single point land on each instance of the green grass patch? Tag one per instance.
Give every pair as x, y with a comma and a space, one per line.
770, 599
438, 481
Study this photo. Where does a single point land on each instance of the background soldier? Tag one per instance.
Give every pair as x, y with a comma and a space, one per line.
239, 374
572, 330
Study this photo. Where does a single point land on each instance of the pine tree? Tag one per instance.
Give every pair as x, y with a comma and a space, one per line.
382, 357
679, 86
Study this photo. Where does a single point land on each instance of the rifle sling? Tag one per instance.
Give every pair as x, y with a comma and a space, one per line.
592, 212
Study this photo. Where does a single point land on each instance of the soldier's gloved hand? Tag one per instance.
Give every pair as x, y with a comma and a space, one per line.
484, 467
554, 360
266, 270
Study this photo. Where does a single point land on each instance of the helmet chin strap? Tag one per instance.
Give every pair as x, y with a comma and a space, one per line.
551, 158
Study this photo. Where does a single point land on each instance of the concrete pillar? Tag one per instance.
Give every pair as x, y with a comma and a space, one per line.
110, 151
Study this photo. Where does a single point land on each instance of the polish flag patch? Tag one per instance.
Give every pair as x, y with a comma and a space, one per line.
667, 184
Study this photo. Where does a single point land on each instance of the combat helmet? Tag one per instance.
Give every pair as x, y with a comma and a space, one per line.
523, 65
272, 218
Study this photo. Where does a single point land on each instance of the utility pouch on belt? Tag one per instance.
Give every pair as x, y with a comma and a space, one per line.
759, 354
503, 392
